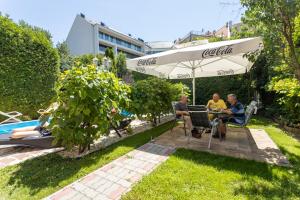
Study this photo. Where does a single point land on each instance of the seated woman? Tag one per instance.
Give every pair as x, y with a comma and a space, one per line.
30, 131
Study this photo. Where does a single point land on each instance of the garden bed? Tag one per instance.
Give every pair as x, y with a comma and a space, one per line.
137, 127
295, 132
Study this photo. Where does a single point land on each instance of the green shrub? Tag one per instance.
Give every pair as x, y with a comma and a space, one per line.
152, 97
289, 91
28, 68
87, 59
86, 97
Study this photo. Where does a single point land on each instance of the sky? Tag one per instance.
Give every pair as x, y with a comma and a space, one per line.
152, 20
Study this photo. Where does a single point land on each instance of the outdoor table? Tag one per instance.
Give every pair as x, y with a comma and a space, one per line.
218, 114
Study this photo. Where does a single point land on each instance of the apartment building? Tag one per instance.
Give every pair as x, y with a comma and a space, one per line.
86, 37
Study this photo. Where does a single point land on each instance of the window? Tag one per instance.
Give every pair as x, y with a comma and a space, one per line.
102, 47
120, 42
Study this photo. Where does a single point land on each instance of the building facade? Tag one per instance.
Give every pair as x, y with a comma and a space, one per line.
87, 37
158, 46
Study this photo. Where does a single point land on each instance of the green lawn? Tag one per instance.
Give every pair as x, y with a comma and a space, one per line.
197, 175
40, 177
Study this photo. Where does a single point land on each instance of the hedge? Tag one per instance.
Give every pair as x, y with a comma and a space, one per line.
29, 67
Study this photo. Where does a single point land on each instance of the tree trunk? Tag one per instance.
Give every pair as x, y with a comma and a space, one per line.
288, 34
81, 149
297, 72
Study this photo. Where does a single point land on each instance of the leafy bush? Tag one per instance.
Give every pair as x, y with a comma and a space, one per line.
86, 98
152, 97
289, 91
29, 68
87, 59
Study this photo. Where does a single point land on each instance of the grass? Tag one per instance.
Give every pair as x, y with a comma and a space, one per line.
191, 174
40, 177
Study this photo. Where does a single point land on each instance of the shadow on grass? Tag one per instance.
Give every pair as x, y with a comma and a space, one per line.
52, 172
259, 180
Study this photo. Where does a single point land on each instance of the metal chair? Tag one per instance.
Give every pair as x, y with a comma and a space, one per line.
197, 107
176, 120
200, 120
250, 110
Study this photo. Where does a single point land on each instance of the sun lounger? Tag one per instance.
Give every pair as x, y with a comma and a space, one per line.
11, 116
34, 141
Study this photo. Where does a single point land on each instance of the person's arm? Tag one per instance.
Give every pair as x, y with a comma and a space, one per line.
238, 109
208, 104
178, 112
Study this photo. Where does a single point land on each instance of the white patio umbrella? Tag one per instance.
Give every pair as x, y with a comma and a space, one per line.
207, 60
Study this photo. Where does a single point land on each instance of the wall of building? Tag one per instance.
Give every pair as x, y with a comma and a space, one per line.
80, 39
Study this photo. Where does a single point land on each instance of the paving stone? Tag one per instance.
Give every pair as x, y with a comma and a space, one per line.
103, 187
79, 196
115, 178
79, 186
89, 192
101, 197
124, 183
63, 194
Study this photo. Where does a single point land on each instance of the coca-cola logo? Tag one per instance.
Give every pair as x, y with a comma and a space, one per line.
217, 51
183, 76
149, 61
141, 69
225, 72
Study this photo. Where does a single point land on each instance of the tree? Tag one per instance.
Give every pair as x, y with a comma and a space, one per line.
109, 53
29, 68
87, 59
152, 97
275, 19
25, 25
121, 65
86, 98
66, 60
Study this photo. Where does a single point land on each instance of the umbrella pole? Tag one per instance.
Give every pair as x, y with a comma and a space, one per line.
194, 88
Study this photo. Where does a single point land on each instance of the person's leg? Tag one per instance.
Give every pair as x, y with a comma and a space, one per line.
28, 128
18, 135
222, 128
188, 122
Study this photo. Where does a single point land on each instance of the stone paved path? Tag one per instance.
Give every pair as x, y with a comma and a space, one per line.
266, 150
116, 178
11, 155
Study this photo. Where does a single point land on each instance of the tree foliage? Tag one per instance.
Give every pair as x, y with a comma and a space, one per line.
29, 68
152, 97
86, 98
118, 62
275, 19
121, 65
87, 59
66, 60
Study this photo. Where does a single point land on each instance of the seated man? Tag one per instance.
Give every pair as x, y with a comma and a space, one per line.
182, 112
236, 114
215, 104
